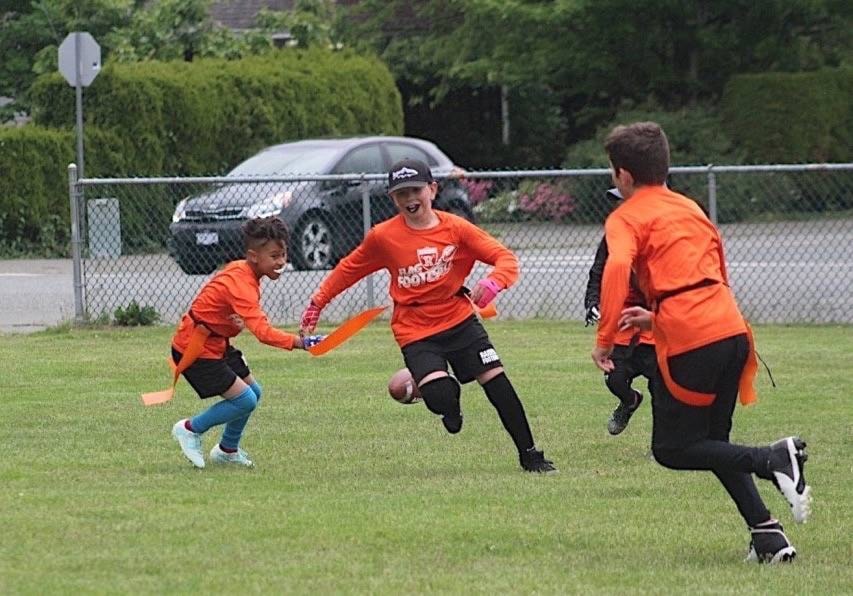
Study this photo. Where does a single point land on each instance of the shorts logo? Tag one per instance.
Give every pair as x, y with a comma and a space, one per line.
488, 356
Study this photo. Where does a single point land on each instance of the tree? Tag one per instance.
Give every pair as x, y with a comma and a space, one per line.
596, 55
311, 23
32, 32
175, 30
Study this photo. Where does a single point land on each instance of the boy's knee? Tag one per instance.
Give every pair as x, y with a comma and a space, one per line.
246, 401
257, 390
667, 457
441, 395
616, 378
612, 381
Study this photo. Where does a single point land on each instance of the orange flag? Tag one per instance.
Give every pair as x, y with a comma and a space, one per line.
746, 390
347, 329
194, 349
487, 312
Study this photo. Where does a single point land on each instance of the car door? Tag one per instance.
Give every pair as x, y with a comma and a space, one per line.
348, 218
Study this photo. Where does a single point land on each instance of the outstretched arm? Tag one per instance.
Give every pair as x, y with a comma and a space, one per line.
360, 263
486, 249
247, 308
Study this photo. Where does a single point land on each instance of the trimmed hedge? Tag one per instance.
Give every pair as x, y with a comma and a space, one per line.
204, 117
180, 118
33, 187
35, 214
791, 117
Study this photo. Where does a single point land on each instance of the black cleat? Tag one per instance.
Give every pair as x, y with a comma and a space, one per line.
453, 424
533, 460
769, 544
622, 415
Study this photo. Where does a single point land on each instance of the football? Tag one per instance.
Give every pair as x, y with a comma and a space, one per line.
401, 386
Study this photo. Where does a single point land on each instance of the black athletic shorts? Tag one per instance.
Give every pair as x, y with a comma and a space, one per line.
211, 377
466, 347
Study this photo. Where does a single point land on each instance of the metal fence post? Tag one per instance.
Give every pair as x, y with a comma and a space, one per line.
74, 198
712, 194
365, 214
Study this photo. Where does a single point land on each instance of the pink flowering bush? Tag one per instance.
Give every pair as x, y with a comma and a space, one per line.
478, 190
546, 200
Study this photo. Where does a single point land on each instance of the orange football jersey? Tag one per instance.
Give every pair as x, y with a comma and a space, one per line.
232, 290
427, 268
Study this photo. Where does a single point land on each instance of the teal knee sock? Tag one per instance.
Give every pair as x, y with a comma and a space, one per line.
233, 431
225, 411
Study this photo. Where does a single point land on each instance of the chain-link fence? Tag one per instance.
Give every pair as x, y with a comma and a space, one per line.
788, 232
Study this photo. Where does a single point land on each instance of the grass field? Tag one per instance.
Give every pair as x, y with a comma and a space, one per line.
354, 493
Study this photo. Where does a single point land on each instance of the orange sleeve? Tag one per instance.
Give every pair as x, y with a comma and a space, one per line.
615, 281
245, 303
361, 262
486, 249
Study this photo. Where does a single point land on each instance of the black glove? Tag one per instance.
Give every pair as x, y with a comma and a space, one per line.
592, 315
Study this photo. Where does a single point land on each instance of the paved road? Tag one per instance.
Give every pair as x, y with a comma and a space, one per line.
781, 272
35, 294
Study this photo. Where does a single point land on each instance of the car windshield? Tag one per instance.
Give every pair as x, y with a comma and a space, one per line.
285, 162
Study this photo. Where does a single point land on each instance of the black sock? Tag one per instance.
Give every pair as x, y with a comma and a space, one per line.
503, 397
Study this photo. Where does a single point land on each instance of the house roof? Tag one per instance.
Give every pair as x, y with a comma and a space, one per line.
241, 14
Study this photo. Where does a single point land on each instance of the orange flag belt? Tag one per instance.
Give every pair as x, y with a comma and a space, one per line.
194, 348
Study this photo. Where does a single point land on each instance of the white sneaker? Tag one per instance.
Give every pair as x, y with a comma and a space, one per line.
190, 443
787, 459
222, 457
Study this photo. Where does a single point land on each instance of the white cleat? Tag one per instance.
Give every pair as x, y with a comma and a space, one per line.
190, 443
223, 457
787, 459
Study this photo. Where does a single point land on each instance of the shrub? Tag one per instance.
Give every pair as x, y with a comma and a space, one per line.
694, 134
135, 315
478, 190
501, 208
154, 118
549, 201
206, 116
791, 117
34, 204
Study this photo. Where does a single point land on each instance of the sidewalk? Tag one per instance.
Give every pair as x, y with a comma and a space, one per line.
35, 294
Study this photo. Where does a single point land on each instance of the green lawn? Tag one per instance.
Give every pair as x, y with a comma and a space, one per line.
354, 493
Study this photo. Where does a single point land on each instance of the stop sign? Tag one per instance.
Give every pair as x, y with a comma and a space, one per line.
79, 49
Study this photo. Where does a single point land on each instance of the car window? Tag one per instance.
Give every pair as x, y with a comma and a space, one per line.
284, 162
363, 160
399, 151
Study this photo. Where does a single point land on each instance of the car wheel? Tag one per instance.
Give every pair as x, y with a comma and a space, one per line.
313, 246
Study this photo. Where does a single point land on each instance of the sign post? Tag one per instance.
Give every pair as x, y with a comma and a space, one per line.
79, 63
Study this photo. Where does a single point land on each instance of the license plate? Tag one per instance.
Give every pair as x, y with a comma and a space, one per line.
207, 238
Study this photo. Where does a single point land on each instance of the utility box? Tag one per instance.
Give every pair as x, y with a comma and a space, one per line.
104, 221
